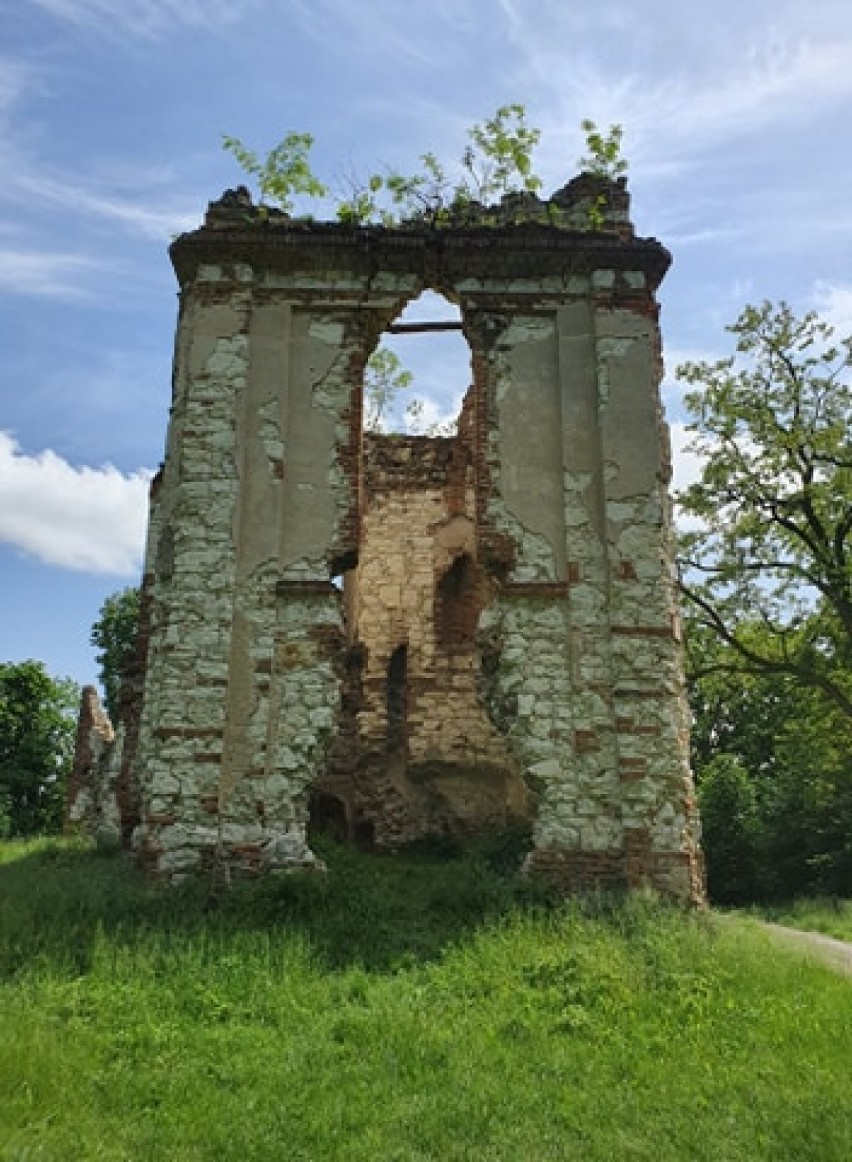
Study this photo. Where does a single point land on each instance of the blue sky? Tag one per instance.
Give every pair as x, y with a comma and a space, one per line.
737, 127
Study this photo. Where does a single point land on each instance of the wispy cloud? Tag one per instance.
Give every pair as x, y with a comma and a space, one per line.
834, 303
87, 519
707, 236
678, 84
153, 218
14, 76
687, 465
378, 23
148, 18
51, 275
32, 185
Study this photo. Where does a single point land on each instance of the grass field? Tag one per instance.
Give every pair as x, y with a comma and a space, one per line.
829, 915
401, 1008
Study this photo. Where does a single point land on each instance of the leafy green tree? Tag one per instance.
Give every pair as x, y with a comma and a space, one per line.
114, 634
807, 806
768, 566
37, 730
795, 748
729, 817
733, 712
384, 380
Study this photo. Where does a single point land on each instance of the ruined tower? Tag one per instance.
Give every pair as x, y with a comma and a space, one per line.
402, 635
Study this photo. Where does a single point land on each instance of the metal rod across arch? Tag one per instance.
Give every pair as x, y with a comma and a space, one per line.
413, 328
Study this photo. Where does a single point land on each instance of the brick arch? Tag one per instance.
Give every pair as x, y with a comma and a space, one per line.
460, 596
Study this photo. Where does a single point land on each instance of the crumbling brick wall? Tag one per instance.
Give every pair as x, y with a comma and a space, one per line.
552, 610
422, 756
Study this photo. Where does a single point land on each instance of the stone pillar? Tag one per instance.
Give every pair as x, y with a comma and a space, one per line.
92, 809
648, 687
193, 564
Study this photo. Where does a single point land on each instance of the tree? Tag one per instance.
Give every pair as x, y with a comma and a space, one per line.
114, 634
37, 729
790, 832
807, 806
384, 380
730, 830
733, 712
768, 565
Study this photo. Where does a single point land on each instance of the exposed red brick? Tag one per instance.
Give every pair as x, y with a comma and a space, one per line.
632, 770
586, 740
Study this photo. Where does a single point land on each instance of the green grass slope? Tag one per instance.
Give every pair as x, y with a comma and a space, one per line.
401, 1008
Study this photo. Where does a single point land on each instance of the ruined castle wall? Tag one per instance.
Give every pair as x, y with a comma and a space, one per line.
587, 673
574, 676
429, 744
92, 807
258, 500
649, 696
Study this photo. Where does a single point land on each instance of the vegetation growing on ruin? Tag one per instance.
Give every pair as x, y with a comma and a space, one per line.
496, 162
405, 1007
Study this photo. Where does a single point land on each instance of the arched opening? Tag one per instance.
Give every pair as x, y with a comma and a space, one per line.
396, 700
422, 757
458, 604
327, 817
426, 342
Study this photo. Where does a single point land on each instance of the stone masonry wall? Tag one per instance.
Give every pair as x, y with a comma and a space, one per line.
92, 802
424, 757
545, 550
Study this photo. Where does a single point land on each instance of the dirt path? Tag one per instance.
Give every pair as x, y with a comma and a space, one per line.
835, 953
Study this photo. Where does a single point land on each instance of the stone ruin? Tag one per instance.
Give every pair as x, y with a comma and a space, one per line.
392, 637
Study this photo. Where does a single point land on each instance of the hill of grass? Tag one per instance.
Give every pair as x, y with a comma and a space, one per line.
401, 1008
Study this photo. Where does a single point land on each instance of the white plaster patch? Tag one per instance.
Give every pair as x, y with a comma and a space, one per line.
326, 332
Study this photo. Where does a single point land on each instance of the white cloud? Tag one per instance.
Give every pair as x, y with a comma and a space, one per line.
88, 519
153, 209
151, 218
834, 303
53, 275
678, 84
687, 465
14, 77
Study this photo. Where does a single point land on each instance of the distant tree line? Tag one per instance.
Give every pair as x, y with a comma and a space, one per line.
37, 731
